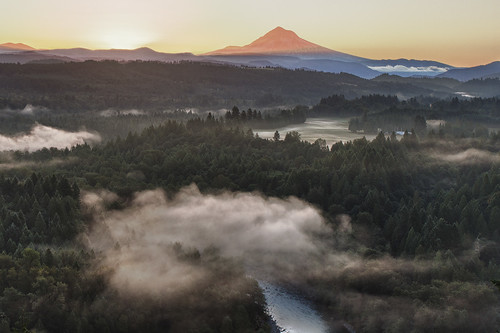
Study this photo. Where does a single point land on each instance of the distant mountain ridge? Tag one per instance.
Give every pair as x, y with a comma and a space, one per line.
143, 53
82, 54
307, 55
277, 48
491, 70
16, 47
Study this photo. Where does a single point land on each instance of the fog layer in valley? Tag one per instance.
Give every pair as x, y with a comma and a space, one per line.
281, 240
260, 231
331, 130
46, 137
115, 113
470, 156
409, 69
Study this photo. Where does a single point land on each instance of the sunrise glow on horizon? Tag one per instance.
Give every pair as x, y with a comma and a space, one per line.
453, 32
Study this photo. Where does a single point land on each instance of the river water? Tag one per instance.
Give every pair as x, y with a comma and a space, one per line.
332, 130
291, 313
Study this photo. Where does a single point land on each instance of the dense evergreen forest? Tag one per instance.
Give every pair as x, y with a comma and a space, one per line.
48, 283
375, 113
425, 226
119, 123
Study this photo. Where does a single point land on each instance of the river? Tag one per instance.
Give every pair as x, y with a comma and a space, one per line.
332, 130
291, 313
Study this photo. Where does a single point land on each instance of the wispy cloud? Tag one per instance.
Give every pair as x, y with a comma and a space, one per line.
9, 163
114, 113
469, 156
411, 69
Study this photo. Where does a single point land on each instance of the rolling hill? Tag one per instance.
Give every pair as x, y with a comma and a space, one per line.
491, 70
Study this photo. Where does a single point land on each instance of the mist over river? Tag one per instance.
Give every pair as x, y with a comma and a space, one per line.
332, 130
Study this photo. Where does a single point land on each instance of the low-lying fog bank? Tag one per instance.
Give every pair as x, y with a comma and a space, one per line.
284, 241
332, 130
46, 137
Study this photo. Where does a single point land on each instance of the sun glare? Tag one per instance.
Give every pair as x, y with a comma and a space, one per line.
123, 39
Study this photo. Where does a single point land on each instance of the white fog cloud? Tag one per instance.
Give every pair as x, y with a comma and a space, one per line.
257, 230
114, 113
46, 137
275, 239
11, 164
411, 69
30, 110
469, 156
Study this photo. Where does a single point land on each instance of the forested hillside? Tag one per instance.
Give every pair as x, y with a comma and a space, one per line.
429, 215
158, 86
49, 284
375, 113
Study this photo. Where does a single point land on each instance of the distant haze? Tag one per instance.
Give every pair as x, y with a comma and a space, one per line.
456, 33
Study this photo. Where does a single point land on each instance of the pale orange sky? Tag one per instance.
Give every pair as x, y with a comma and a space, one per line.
457, 32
